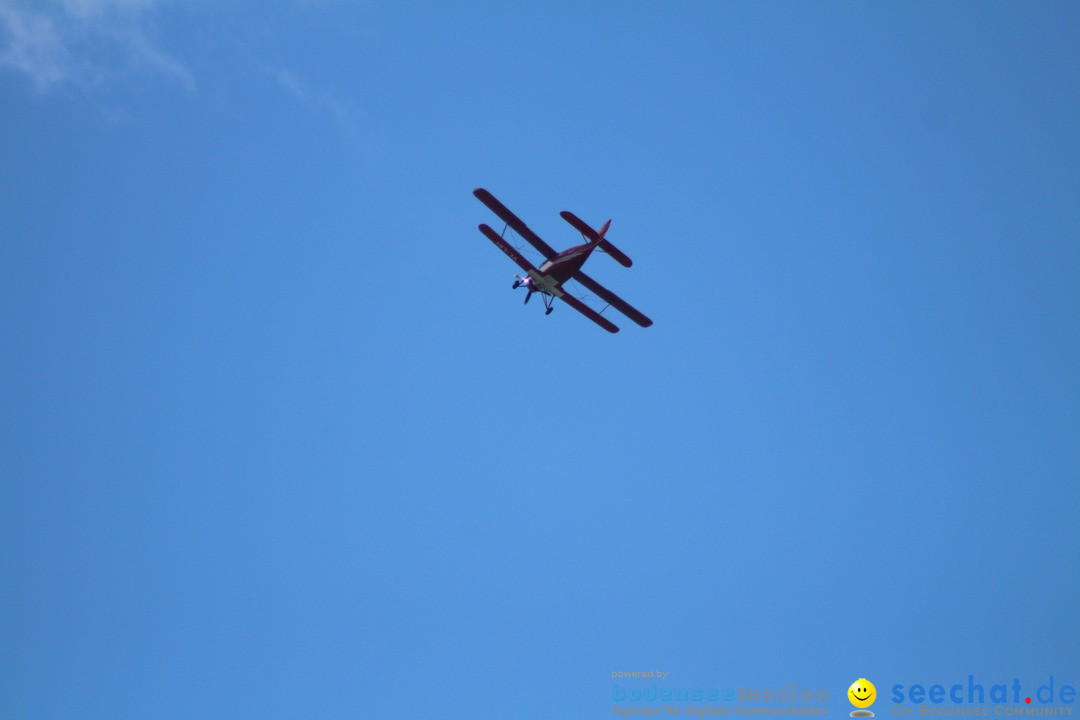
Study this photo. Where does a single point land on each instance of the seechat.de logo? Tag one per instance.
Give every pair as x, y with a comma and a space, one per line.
862, 694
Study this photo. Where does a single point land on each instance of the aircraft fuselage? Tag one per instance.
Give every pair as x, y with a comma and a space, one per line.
554, 272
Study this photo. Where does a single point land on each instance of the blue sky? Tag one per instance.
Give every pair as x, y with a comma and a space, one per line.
278, 440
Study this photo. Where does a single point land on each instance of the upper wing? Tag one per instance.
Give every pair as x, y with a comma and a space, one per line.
611, 298
585, 229
507, 248
514, 222
589, 313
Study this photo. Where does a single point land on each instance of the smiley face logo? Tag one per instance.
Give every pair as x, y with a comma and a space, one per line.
862, 693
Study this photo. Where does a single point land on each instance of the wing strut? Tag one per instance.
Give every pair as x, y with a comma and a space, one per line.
612, 299
514, 222
589, 313
507, 248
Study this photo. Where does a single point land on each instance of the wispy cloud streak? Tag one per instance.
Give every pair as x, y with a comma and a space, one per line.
322, 101
82, 42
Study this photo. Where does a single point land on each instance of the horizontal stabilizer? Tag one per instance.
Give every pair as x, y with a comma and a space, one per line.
585, 229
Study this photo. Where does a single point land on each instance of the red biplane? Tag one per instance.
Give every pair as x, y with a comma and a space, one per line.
559, 268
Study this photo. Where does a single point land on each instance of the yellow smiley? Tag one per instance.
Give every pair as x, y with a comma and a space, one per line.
862, 693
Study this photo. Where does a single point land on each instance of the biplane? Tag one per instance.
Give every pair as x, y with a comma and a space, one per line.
560, 267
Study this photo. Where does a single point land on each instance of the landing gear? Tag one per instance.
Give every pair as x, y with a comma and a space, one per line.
530, 288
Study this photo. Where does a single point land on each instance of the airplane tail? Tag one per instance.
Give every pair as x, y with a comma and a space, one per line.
597, 238
610, 249
601, 233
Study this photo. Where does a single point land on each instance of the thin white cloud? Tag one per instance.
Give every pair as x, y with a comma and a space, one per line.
82, 42
33, 46
321, 101
93, 8
289, 80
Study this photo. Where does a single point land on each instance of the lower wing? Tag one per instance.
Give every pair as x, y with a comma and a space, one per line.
612, 299
589, 313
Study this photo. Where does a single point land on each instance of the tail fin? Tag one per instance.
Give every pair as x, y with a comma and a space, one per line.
597, 238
